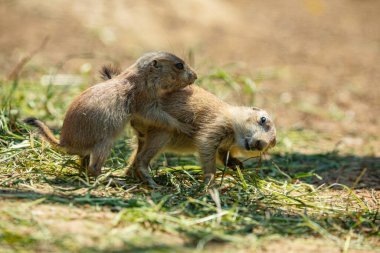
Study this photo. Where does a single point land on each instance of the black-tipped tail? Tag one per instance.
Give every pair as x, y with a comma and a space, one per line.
31, 121
109, 71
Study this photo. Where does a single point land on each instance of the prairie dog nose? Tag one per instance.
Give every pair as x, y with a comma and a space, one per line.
193, 76
259, 145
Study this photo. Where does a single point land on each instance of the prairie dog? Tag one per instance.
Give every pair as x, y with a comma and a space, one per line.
221, 131
99, 114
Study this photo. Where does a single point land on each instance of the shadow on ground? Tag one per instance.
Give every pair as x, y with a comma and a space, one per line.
354, 171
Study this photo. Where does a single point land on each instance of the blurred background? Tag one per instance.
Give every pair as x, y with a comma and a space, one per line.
313, 64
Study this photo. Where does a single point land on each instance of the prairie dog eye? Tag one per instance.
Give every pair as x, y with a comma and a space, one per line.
263, 120
179, 66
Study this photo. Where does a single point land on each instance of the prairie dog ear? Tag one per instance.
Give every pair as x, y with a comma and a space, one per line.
156, 64
255, 108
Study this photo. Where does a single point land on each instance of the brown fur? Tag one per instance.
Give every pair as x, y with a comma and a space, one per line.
222, 131
99, 114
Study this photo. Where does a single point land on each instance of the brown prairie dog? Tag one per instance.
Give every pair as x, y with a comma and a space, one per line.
221, 131
99, 114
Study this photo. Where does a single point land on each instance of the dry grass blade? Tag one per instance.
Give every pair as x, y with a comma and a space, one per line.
14, 74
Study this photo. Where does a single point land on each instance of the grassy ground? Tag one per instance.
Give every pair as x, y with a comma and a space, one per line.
308, 191
314, 65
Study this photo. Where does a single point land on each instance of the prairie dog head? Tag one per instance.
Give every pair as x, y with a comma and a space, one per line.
165, 71
254, 129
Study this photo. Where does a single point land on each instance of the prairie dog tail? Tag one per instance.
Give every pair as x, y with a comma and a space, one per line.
108, 72
44, 130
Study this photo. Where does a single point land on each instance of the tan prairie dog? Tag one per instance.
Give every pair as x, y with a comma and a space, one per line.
222, 131
99, 114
